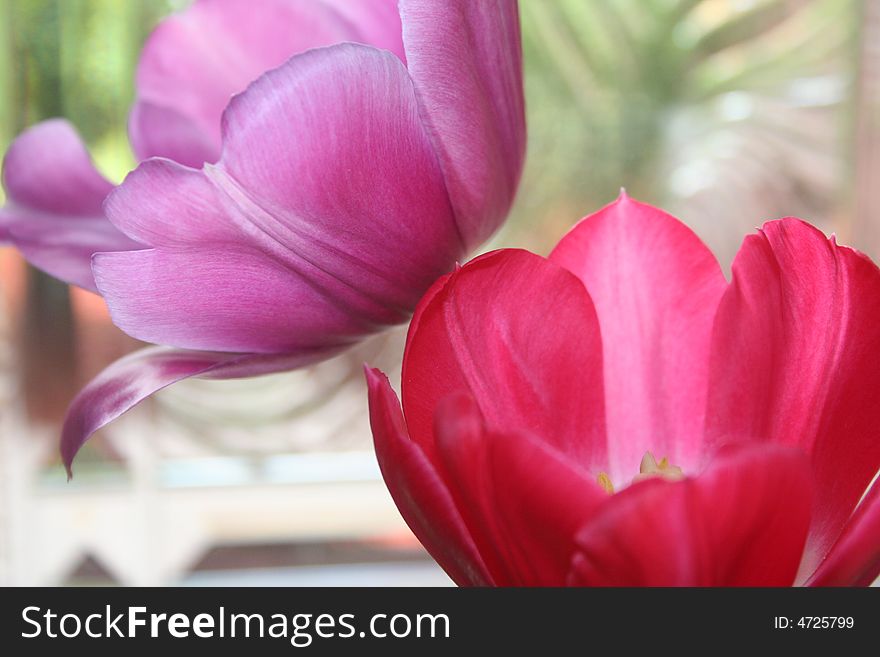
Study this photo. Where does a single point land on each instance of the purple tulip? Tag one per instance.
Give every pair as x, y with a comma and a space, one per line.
194, 61
348, 179
189, 68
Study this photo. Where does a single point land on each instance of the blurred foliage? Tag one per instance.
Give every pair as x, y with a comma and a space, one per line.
725, 111
76, 59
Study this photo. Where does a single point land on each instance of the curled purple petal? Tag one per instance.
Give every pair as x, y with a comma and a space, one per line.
133, 378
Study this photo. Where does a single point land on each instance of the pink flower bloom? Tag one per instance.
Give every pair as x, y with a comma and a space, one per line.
619, 414
190, 67
196, 60
349, 178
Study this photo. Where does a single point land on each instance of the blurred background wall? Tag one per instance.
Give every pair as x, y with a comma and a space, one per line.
727, 113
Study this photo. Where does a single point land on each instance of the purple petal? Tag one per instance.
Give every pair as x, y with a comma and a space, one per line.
165, 204
155, 130
326, 219
372, 22
195, 61
51, 156
465, 58
53, 214
229, 298
130, 380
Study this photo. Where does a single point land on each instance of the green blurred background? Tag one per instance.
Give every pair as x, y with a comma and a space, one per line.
727, 113
74, 58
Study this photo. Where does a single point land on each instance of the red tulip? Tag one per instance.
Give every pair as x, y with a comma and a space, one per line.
620, 414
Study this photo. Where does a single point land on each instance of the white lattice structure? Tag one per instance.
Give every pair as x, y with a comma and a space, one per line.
151, 521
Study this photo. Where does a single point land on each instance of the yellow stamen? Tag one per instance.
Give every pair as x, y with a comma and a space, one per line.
605, 482
650, 468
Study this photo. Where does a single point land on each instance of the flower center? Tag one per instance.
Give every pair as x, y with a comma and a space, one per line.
649, 467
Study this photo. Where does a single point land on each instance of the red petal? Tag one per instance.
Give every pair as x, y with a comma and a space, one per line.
855, 558
741, 523
420, 494
518, 334
522, 500
655, 286
796, 360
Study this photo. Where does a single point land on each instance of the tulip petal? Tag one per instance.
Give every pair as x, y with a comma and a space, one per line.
231, 298
165, 204
51, 156
854, 560
372, 22
466, 60
185, 79
327, 186
520, 335
332, 147
133, 378
796, 360
742, 522
655, 287
419, 492
159, 131
53, 214
522, 500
